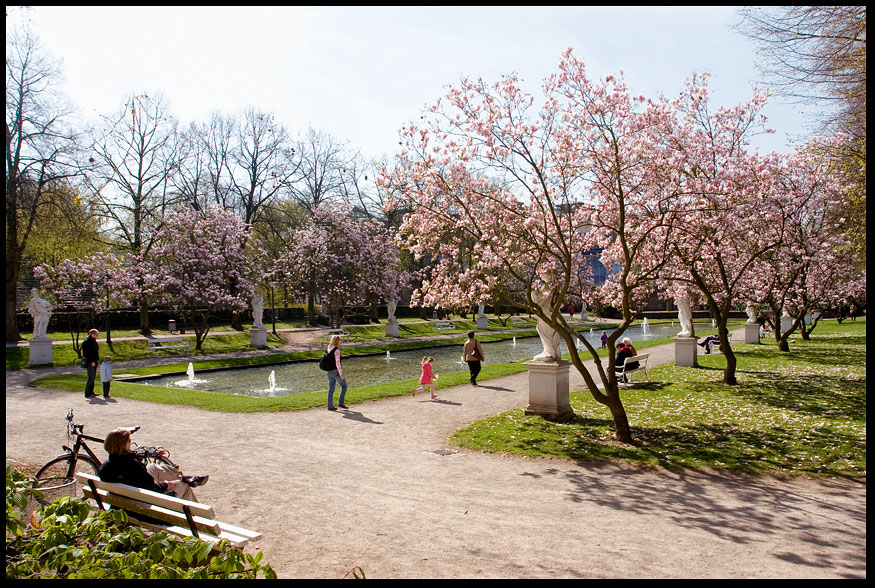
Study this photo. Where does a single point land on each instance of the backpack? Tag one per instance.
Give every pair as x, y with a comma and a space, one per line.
326, 362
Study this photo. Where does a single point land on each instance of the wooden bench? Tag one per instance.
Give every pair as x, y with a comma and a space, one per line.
165, 343
444, 325
341, 332
177, 516
627, 371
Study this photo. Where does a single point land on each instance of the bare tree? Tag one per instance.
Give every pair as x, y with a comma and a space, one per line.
817, 54
130, 170
323, 161
39, 144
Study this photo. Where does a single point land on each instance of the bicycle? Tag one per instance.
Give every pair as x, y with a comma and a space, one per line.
57, 477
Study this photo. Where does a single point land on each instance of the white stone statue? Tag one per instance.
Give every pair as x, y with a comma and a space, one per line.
391, 305
550, 339
685, 316
41, 311
751, 313
480, 310
257, 310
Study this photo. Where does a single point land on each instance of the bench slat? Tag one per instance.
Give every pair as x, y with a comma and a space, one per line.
235, 540
202, 524
156, 498
168, 509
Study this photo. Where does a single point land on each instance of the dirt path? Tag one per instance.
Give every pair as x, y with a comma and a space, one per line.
378, 486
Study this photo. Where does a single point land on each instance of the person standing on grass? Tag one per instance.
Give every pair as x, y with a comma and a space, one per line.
91, 353
472, 355
335, 375
428, 376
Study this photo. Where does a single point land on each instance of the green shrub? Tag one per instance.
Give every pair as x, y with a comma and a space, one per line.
72, 541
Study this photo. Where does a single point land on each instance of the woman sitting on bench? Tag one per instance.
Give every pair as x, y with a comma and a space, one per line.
624, 350
124, 467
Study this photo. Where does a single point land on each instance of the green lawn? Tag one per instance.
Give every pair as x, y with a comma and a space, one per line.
802, 412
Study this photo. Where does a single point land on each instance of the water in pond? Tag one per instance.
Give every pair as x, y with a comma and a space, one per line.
305, 376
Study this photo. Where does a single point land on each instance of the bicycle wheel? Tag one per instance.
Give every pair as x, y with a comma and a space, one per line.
56, 478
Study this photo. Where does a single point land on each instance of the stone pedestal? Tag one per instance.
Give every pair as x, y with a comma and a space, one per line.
482, 323
258, 337
685, 352
392, 327
548, 389
786, 323
41, 351
752, 333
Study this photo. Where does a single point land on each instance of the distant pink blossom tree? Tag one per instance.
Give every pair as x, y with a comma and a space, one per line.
347, 262
814, 268
732, 211
92, 285
199, 267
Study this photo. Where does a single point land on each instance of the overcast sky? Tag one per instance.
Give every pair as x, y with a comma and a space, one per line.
360, 73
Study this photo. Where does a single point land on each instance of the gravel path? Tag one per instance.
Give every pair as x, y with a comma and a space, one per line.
379, 487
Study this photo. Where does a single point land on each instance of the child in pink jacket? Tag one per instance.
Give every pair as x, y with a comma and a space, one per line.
427, 377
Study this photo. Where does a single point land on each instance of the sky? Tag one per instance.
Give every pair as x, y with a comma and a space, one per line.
361, 73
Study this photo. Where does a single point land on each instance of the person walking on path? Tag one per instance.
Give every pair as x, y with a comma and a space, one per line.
335, 375
473, 355
428, 376
91, 353
106, 375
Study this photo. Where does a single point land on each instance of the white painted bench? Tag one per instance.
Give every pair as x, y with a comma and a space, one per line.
444, 325
164, 343
627, 371
518, 320
341, 332
178, 516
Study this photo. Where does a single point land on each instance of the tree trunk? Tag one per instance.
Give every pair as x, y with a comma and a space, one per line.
13, 263
622, 431
144, 317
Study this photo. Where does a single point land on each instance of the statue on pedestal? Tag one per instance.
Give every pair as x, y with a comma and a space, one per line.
550, 339
751, 313
41, 311
391, 305
685, 316
257, 311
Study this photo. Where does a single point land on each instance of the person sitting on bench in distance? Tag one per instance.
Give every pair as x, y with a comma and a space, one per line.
625, 350
708, 341
125, 467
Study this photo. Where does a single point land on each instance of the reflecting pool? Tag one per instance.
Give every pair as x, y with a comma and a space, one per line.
305, 376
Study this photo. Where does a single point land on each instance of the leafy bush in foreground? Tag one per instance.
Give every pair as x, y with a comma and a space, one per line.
72, 541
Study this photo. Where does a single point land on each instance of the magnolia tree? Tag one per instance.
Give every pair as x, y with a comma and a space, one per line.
90, 286
731, 210
346, 262
198, 266
510, 199
809, 267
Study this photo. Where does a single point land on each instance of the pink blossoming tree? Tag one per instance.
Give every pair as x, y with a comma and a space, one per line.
199, 267
509, 199
348, 263
89, 286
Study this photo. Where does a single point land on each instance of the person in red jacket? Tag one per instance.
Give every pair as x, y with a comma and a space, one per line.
428, 376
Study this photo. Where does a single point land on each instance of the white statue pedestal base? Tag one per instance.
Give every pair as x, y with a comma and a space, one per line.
685, 352
41, 351
752, 333
392, 327
786, 323
548, 389
482, 323
258, 337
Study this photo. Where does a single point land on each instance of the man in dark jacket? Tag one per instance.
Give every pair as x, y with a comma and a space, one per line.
91, 353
